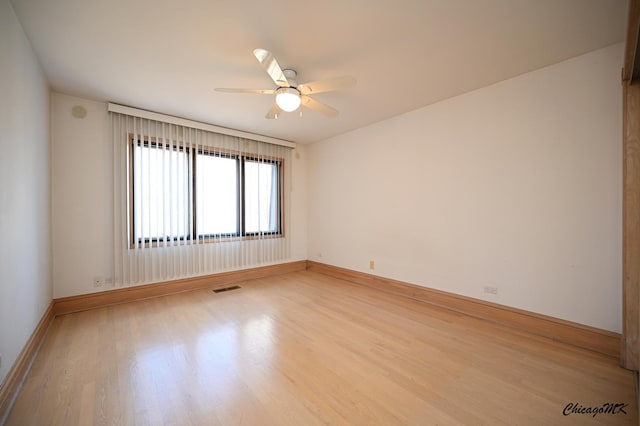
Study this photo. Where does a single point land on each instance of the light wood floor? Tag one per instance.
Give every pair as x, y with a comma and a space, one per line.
306, 349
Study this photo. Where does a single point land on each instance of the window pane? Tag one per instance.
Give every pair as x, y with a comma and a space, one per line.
262, 206
161, 191
216, 195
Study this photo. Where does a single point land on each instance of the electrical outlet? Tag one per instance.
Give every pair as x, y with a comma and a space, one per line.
97, 282
490, 290
372, 265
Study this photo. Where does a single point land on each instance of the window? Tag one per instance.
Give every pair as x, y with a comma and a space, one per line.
217, 195
160, 188
261, 193
181, 192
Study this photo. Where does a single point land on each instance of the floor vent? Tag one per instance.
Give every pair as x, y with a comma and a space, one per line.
220, 290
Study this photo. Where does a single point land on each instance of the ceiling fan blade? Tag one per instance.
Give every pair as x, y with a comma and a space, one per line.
274, 112
327, 85
258, 91
318, 106
269, 63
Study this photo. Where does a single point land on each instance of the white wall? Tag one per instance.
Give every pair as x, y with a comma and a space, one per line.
82, 207
299, 203
25, 247
516, 186
83, 198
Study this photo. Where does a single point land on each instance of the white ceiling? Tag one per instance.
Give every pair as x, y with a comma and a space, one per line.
168, 56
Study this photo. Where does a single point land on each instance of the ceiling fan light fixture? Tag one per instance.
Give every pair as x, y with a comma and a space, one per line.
288, 92
288, 99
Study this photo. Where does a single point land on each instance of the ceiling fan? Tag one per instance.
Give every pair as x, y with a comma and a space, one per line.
289, 94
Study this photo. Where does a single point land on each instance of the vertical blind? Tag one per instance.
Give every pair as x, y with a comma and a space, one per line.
191, 202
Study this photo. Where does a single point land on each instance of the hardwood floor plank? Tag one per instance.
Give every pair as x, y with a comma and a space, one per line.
308, 349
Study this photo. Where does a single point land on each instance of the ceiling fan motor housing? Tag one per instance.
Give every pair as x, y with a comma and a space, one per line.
291, 77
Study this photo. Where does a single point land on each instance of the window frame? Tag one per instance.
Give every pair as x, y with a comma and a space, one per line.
192, 233
217, 236
279, 224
